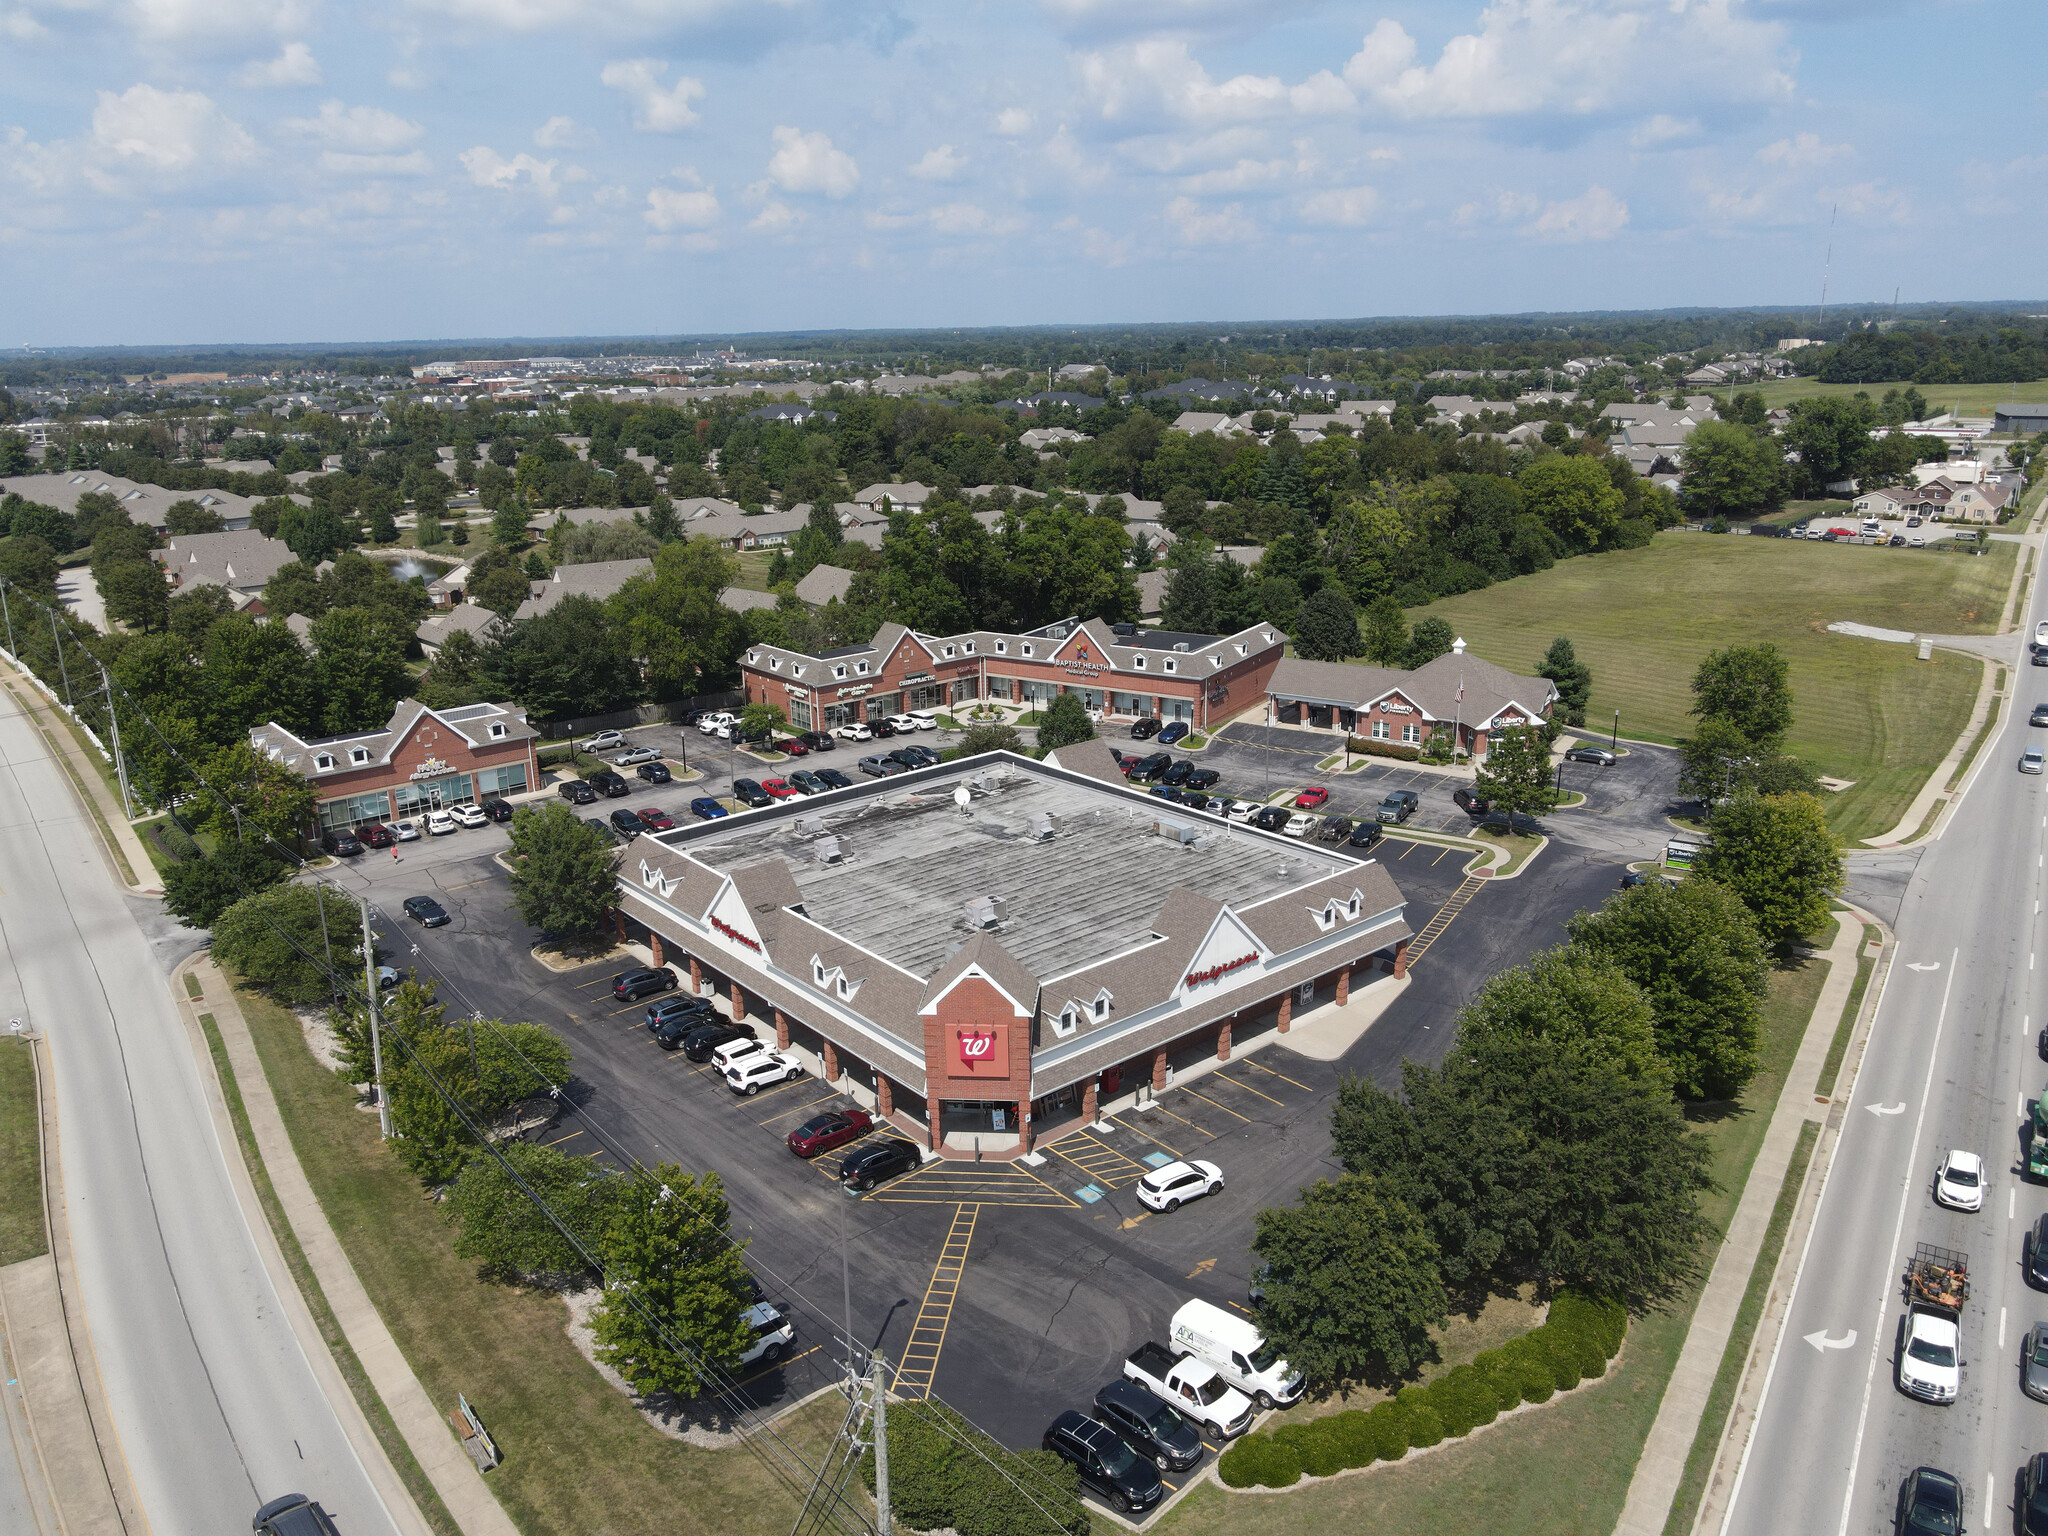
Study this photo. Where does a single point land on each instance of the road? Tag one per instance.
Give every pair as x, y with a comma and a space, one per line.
1951, 1063
214, 1401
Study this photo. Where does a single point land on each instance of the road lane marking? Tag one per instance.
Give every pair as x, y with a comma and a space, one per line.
2011, 1199
1898, 1229
1886, 1109
557, 1142
1822, 1343
2001, 1327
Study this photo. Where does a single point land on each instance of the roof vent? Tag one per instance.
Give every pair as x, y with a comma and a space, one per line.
986, 912
828, 851
1039, 828
1180, 645
1458, 647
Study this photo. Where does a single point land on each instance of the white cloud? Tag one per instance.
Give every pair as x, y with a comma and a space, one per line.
1158, 76
1343, 207
182, 19
562, 133
295, 65
1801, 152
168, 130
1383, 152
1241, 177
1576, 57
364, 130
807, 162
776, 218
1663, 129
656, 108
1198, 224
1595, 214
1872, 201
488, 168
968, 219
941, 164
1013, 122
342, 164
669, 209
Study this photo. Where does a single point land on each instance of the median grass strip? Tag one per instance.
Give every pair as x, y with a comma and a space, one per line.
1562, 1469
1866, 963
416, 1481
579, 1459
1699, 1464
1865, 710
21, 1163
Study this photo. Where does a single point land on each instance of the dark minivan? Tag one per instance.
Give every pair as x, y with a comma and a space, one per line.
1107, 1466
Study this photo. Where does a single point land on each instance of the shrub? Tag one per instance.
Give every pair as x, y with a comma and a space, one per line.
1260, 1461
1365, 746
1388, 1425
1463, 1400
1600, 1318
1319, 1445
1551, 1348
1501, 1378
1526, 1359
1425, 1424
1354, 1433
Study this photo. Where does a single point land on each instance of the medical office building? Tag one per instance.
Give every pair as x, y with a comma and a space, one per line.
1123, 671
988, 952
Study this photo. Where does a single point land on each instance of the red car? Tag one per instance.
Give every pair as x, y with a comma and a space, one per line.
821, 1133
781, 789
794, 747
375, 835
655, 819
1310, 798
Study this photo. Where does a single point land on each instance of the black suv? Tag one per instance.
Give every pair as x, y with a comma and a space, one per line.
749, 792
425, 911
1470, 801
1365, 834
610, 785
670, 1030
628, 823
342, 844
659, 1013
496, 809
1203, 778
865, 1167
1179, 773
1272, 818
926, 757
576, 792
1146, 769
817, 741
1150, 1425
2034, 1254
1145, 729
292, 1515
1107, 1466
654, 773
631, 986
700, 1042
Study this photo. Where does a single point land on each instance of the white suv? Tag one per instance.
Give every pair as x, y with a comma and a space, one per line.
1931, 1364
761, 1069
470, 815
903, 725
439, 823
773, 1334
926, 720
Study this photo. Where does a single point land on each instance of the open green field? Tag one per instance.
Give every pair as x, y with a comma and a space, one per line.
579, 1460
21, 1167
1869, 711
1562, 1469
1963, 399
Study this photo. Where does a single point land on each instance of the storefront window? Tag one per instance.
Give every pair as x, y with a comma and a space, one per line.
354, 810
800, 714
924, 696
1037, 693
1091, 698
1411, 734
963, 689
1176, 709
1381, 731
1129, 704
837, 715
999, 688
508, 780
433, 794
882, 705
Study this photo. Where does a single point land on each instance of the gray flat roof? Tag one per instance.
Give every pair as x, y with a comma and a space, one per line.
912, 861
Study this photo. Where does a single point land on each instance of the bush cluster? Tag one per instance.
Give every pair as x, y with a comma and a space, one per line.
1581, 1335
1365, 746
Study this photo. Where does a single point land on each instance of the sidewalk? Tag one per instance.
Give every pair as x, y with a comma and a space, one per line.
1662, 1465
426, 1431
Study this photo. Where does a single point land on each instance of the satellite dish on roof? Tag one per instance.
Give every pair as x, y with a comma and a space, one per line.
962, 797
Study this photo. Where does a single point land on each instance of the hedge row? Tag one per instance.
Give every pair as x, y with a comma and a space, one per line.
1365, 746
1580, 1336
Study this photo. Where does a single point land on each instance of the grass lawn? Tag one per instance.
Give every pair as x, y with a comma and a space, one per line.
21, 1168
1963, 399
753, 565
579, 1460
1867, 710
1564, 1469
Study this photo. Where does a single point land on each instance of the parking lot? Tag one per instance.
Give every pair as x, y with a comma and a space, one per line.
1012, 1290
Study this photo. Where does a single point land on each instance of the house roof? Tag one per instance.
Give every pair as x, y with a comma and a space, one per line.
242, 561
1434, 688
823, 583
599, 579
472, 722
434, 630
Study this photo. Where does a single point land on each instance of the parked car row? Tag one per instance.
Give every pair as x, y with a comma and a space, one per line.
349, 843
894, 725
1149, 727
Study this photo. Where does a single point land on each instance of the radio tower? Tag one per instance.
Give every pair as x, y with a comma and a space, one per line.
1827, 262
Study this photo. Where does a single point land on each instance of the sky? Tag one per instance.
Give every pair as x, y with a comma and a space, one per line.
186, 171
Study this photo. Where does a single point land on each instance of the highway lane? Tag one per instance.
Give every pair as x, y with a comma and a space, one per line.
1951, 1063
214, 1401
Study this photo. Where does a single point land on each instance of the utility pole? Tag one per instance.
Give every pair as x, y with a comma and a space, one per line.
376, 1039
8, 614
62, 670
114, 729
879, 1371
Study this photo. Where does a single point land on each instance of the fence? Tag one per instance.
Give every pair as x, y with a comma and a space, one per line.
670, 710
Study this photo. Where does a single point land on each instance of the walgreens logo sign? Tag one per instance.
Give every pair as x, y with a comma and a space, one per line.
979, 1052
734, 934
1218, 972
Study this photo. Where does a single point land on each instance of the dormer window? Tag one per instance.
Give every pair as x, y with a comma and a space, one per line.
1002, 647
1168, 663
1138, 663
860, 669
753, 656
774, 663
324, 763
1243, 649
796, 670
497, 731
949, 650
839, 671
1215, 662
1266, 635
1069, 1020
1099, 1009
817, 971
1351, 907
358, 755
1027, 647
968, 647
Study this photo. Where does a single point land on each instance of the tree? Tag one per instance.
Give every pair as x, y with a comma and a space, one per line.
501, 589
135, 594
1517, 776
674, 617
1383, 632
274, 939
359, 671
563, 877
674, 1278
977, 739
1574, 996
1572, 496
1574, 679
29, 563
763, 719
198, 890
314, 533
295, 589
508, 522
1433, 637
1730, 471
455, 675
1750, 687
188, 516
1714, 762
1064, 722
1351, 1282
1327, 629
507, 1234
251, 795
1696, 953
1777, 853
567, 661
252, 672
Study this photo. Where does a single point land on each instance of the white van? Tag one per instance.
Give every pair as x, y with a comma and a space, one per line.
1238, 1351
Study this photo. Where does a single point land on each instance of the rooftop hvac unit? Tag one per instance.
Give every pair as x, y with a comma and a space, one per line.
1039, 828
829, 851
809, 826
1178, 831
986, 912
1180, 645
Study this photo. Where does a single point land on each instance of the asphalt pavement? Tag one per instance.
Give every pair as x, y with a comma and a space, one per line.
1951, 1063
214, 1402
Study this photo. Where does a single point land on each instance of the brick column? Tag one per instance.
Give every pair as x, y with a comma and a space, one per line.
934, 1136
1223, 1041
1088, 1102
831, 1062
1024, 1125
1159, 1072
739, 1004
1401, 958
885, 1097
696, 978
1286, 1011
1344, 986
619, 924
654, 946
781, 1031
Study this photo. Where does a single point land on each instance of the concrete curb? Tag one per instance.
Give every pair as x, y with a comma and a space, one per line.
454, 1476
1661, 1467
85, 778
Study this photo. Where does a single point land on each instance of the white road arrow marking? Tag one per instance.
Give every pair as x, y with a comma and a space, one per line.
1932, 965
1886, 1109
1823, 1343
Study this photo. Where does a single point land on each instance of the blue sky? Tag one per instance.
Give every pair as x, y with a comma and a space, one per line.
270, 170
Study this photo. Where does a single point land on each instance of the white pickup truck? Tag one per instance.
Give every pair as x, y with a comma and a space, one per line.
1192, 1387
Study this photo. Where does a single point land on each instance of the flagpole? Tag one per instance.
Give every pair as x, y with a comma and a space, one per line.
1458, 722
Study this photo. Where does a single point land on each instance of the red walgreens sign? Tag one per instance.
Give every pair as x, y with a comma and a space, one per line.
1217, 972
977, 1046
734, 934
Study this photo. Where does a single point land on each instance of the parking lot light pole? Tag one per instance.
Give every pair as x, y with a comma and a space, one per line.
1614, 741
376, 1039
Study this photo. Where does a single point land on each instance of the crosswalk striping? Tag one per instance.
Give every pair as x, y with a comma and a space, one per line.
1445, 916
950, 1181
1102, 1163
920, 1360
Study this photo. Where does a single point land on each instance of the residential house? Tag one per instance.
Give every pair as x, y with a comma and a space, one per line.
1456, 692
823, 584
241, 563
433, 631
599, 579
907, 494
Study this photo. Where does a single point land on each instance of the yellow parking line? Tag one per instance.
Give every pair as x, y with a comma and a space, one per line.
805, 1081
1130, 1126
798, 1110
1440, 857
1248, 1088
1247, 1119
778, 1366
1281, 1075
570, 1137
1188, 1123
